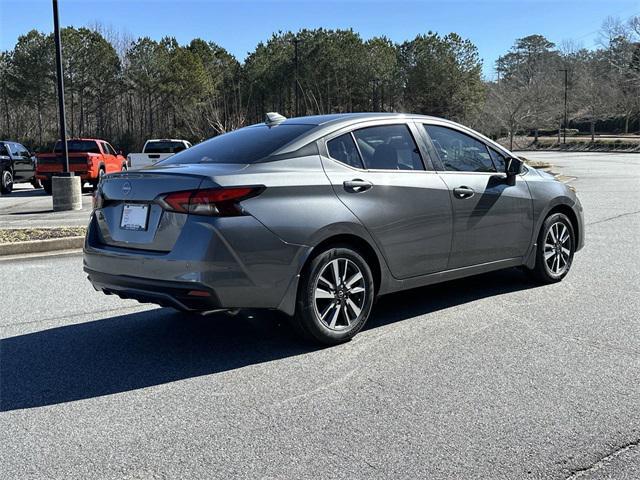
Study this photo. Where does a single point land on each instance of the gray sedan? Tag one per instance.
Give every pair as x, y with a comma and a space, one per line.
316, 216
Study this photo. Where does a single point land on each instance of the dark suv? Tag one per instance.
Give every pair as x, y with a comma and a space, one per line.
17, 165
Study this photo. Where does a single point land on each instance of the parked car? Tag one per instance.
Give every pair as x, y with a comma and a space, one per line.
89, 158
17, 165
155, 151
317, 216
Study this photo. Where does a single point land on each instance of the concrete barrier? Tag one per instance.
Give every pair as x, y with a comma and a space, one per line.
67, 193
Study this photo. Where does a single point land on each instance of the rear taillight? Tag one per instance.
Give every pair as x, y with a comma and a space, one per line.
221, 202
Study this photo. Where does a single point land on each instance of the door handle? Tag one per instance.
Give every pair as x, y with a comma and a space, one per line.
463, 192
357, 185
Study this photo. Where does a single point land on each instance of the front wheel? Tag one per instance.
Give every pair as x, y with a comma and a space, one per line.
96, 182
6, 181
335, 296
556, 246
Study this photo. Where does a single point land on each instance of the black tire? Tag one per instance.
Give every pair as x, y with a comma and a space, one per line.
35, 183
6, 182
554, 254
344, 301
95, 183
48, 186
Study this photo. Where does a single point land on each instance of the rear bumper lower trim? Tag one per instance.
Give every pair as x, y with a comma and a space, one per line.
163, 293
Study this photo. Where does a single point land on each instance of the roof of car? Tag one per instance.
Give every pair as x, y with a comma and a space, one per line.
349, 117
165, 140
84, 140
333, 122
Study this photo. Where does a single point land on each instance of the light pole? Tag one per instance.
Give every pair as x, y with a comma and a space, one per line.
296, 41
63, 126
564, 129
66, 188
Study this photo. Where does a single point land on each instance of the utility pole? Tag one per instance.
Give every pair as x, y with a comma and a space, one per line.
296, 41
66, 188
63, 126
564, 129
374, 102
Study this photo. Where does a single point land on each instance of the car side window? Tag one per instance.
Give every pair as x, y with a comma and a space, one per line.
388, 147
15, 151
498, 160
3, 150
110, 149
22, 151
458, 151
344, 150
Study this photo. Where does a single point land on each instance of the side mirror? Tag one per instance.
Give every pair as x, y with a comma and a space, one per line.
513, 167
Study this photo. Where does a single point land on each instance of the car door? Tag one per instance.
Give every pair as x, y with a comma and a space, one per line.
22, 164
491, 220
378, 172
110, 160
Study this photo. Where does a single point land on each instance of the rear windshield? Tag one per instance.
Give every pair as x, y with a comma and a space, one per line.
87, 146
164, 147
247, 145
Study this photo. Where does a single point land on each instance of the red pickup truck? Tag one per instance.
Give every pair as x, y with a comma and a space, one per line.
89, 158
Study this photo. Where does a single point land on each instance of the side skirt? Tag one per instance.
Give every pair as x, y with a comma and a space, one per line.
446, 275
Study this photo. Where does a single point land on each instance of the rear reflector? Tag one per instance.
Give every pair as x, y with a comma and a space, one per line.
199, 293
222, 202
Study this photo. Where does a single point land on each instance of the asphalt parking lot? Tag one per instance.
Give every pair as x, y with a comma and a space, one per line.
489, 377
27, 207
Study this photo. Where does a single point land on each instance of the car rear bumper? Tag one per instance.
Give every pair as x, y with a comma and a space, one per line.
181, 295
46, 176
231, 262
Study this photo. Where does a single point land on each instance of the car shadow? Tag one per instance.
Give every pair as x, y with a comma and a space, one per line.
30, 192
133, 351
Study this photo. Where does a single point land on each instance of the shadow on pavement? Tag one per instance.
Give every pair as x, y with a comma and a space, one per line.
32, 192
158, 346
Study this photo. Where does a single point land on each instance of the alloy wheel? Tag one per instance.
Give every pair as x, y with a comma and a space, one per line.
557, 248
339, 294
7, 181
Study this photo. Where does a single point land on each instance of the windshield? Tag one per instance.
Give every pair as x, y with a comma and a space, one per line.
164, 147
85, 146
247, 145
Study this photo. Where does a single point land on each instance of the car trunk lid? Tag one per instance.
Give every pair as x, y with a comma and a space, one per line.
130, 216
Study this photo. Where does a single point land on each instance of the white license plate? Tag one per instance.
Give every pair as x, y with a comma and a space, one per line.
134, 217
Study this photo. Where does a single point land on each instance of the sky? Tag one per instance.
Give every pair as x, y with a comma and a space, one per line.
238, 26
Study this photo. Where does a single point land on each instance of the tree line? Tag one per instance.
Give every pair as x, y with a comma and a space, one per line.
126, 90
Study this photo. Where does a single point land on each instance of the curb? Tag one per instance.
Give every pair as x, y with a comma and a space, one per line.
38, 246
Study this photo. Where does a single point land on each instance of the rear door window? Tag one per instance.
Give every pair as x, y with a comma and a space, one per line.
15, 151
344, 150
388, 147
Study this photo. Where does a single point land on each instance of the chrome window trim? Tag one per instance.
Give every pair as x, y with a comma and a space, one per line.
367, 124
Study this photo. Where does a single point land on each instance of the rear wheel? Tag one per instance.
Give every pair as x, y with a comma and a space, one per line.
335, 296
556, 246
6, 181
